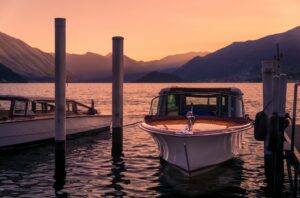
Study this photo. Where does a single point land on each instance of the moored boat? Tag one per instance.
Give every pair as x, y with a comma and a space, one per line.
196, 128
27, 119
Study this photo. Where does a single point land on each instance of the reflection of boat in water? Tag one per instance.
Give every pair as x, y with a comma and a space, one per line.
26, 120
220, 181
197, 127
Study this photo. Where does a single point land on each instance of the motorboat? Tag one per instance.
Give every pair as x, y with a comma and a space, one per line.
197, 128
30, 119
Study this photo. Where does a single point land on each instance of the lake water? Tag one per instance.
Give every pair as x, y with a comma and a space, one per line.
91, 172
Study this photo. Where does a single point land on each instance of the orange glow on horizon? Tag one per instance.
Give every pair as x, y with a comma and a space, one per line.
152, 28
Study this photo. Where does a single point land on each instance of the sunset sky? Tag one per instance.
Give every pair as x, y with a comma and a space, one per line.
152, 28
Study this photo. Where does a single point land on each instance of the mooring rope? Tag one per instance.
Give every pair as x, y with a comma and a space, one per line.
267, 105
131, 124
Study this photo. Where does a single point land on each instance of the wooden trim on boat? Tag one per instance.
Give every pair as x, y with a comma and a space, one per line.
206, 133
239, 125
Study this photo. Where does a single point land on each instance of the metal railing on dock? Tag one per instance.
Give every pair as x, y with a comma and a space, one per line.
294, 115
292, 155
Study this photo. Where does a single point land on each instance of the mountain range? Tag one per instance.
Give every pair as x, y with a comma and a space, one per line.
35, 65
237, 62
241, 61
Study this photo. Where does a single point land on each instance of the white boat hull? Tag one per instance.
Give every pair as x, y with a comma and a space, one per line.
26, 131
192, 153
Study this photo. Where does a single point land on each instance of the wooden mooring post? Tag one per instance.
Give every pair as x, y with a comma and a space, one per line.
117, 95
60, 102
267, 78
274, 102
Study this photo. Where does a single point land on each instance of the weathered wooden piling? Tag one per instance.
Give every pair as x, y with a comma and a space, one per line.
117, 95
60, 98
279, 171
277, 141
274, 102
267, 78
283, 88
60, 79
275, 94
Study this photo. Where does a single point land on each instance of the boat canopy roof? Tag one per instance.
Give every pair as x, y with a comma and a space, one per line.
181, 90
13, 97
28, 98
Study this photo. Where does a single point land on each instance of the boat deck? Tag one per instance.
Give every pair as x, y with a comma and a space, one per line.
200, 125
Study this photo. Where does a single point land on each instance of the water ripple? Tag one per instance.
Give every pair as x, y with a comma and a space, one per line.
92, 172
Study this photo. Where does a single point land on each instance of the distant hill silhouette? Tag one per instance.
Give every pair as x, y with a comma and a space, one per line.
31, 63
241, 61
38, 66
7, 75
159, 77
173, 61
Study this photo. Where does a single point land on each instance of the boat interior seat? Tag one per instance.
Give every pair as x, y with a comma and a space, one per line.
4, 114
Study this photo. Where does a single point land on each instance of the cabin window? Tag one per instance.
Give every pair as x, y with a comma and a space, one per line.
4, 109
51, 107
223, 105
200, 100
212, 101
173, 105
202, 105
155, 106
38, 107
43, 107
80, 108
70, 107
5, 105
236, 107
29, 108
223, 101
20, 107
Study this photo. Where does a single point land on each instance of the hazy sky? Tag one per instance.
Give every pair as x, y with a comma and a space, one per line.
152, 28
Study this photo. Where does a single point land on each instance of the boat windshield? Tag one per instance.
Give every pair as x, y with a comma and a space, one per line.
4, 109
200, 104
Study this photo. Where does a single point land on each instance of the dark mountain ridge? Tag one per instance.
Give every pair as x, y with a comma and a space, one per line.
241, 61
159, 77
7, 75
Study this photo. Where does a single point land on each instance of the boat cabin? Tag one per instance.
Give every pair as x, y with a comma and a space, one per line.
18, 106
177, 101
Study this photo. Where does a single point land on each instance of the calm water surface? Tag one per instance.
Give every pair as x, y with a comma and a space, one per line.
91, 172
